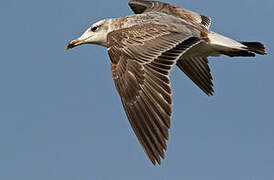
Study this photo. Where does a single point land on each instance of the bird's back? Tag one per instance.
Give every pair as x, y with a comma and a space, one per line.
158, 18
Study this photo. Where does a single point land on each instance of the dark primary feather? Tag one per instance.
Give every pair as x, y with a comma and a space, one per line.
140, 71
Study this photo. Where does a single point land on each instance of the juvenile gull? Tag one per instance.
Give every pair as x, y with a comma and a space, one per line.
143, 49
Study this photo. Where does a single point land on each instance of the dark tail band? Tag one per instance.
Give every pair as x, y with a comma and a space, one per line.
255, 47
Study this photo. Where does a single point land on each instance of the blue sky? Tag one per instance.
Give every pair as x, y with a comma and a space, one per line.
61, 117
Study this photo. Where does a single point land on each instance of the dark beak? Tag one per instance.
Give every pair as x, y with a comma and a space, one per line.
74, 43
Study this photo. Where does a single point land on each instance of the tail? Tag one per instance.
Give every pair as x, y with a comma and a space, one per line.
233, 48
250, 49
255, 47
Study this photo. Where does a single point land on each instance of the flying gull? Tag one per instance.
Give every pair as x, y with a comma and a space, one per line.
143, 49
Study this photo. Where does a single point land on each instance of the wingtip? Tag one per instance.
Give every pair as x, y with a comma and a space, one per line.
158, 161
139, 6
211, 93
153, 161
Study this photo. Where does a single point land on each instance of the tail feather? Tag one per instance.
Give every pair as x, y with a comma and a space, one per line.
249, 49
237, 52
234, 48
255, 47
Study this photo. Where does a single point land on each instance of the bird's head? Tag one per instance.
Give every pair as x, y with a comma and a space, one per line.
96, 34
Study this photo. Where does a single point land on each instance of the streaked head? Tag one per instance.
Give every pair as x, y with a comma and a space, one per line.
96, 34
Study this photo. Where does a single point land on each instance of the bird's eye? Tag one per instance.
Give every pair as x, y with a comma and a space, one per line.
95, 28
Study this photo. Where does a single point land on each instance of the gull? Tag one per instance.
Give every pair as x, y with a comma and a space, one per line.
144, 47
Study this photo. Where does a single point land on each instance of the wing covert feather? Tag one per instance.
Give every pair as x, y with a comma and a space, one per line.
143, 6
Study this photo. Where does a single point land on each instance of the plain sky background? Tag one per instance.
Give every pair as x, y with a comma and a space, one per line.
61, 117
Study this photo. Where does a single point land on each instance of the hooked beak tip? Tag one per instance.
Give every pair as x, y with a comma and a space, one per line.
68, 46
73, 44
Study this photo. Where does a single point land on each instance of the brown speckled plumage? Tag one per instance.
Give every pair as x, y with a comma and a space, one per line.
144, 48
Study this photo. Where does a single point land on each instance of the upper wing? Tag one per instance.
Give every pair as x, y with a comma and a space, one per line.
141, 6
141, 59
197, 68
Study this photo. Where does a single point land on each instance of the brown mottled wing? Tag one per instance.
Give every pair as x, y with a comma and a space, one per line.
141, 59
198, 71
143, 6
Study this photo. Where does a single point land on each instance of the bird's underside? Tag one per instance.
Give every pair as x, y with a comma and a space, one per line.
143, 54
